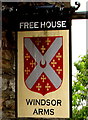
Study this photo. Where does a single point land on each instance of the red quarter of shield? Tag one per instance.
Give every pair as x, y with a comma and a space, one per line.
43, 63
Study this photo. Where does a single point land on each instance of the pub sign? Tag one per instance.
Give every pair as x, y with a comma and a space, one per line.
43, 66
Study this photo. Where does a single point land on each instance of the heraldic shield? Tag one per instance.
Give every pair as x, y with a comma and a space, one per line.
43, 63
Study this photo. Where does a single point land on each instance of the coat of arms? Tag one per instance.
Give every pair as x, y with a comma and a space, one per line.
43, 63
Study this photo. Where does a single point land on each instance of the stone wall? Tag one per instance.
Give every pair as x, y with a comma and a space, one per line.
8, 77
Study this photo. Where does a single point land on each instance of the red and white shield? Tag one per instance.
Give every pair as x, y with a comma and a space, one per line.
43, 63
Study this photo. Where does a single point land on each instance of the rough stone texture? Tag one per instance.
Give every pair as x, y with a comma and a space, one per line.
8, 78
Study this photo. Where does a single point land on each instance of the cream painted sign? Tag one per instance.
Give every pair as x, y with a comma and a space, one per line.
43, 74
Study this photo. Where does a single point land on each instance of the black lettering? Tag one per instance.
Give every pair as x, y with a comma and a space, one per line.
35, 112
46, 111
40, 111
48, 102
29, 102
53, 102
51, 111
59, 102
43, 102
37, 102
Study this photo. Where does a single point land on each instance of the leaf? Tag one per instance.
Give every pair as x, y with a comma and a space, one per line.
79, 89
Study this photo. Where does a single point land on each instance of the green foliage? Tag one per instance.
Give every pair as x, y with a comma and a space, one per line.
80, 90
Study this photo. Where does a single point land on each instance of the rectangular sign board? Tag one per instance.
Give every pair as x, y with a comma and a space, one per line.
43, 74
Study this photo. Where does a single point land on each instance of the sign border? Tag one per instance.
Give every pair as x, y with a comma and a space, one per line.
24, 34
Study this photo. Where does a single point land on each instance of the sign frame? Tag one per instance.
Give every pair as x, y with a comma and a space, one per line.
21, 35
